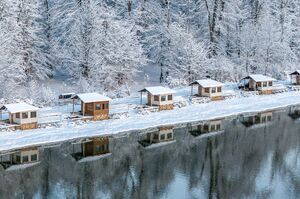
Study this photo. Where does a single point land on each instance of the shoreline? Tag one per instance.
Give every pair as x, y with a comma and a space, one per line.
193, 113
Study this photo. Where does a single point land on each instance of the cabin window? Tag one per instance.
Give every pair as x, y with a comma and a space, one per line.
18, 115
270, 83
269, 118
206, 128
155, 137
163, 98
213, 90
170, 97
218, 127
213, 127
33, 114
169, 135
258, 84
162, 136
25, 159
34, 157
265, 84
103, 106
18, 158
219, 89
98, 149
25, 115
206, 90
264, 119
97, 107
156, 98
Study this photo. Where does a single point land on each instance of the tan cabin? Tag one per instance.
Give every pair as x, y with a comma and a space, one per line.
295, 77
22, 114
261, 83
94, 105
164, 134
159, 96
208, 88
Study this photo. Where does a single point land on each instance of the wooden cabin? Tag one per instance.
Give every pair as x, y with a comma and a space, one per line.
159, 96
295, 77
93, 147
94, 105
22, 114
209, 88
261, 83
208, 127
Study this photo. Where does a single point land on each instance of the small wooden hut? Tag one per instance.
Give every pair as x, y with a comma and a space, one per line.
261, 83
94, 105
208, 88
22, 114
295, 77
159, 96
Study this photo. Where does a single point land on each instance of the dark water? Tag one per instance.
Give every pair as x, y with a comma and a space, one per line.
243, 157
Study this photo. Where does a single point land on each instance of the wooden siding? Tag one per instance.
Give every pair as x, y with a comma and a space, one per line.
90, 110
166, 107
96, 147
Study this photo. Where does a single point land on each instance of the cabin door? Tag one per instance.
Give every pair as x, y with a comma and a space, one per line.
298, 79
199, 90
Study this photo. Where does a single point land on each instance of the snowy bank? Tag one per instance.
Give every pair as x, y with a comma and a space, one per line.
196, 112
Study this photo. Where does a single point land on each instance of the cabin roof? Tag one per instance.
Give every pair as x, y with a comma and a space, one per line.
260, 78
91, 97
296, 72
158, 90
207, 83
19, 107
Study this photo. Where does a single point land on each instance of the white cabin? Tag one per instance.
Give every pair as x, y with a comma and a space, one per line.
209, 88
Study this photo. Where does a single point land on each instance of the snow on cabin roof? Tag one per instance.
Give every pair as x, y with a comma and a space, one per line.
260, 78
207, 83
19, 107
91, 97
295, 72
158, 90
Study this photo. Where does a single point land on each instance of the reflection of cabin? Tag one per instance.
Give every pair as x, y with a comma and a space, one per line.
159, 96
94, 105
28, 156
22, 114
209, 88
294, 112
89, 148
295, 77
261, 83
260, 118
164, 134
208, 127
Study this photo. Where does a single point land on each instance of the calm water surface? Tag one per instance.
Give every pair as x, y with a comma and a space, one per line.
251, 156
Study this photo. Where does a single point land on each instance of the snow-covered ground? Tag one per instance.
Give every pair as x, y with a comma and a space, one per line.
135, 121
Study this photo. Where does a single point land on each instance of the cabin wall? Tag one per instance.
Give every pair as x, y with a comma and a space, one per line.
90, 109
267, 89
202, 93
96, 147
160, 103
295, 79
21, 120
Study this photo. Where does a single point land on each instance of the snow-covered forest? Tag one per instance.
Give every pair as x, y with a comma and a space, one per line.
100, 45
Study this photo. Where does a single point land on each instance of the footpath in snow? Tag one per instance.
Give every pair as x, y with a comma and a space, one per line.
195, 112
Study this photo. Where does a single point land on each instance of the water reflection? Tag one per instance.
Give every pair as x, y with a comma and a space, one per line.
90, 149
164, 135
256, 119
241, 162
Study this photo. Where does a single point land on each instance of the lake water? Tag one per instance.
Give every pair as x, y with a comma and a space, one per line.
250, 156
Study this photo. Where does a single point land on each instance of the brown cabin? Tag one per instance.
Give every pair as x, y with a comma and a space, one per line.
295, 77
159, 96
24, 115
94, 105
